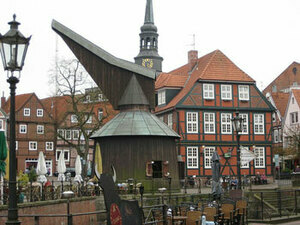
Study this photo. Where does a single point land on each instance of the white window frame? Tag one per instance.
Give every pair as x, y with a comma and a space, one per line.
17, 145
208, 153
259, 161
192, 157
294, 117
49, 146
100, 114
75, 134
65, 151
62, 131
100, 97
276, 137
68, 134
74, 118
170, 120
258, 123
161, 97
1, 125
22, 128
26, 111
226, 92
32, 145
39, 112
209, 123
246, 165
40, 129
245, 129
208, 91
244, 92
226, 125
192, 122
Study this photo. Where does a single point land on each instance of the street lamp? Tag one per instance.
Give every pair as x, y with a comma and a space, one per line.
13, 48
238, 127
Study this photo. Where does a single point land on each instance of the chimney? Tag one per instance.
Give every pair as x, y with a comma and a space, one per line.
2, 100
192, 58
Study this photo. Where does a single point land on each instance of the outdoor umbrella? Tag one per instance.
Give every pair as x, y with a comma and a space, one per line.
41, 169
3, 158
98, 161
61, 167
216, 166
3, 153
78, 170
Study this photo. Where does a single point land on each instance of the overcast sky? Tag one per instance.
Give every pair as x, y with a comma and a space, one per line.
262, 37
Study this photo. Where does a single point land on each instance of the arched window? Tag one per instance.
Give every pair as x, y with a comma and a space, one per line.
148, 43
142, 43
154, 43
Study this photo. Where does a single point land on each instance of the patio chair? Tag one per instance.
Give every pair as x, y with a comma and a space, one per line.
157, 215
241, 211
227, 213
192, 217
210, 213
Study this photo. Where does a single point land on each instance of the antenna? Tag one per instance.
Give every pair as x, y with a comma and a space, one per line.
193, 42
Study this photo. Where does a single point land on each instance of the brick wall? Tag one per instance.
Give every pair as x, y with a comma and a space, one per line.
80, 205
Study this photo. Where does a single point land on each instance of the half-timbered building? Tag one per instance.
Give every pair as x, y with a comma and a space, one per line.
199, 99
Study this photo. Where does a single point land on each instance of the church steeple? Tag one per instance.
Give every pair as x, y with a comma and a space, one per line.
148, 55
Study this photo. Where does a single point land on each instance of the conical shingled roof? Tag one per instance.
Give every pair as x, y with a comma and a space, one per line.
133, 94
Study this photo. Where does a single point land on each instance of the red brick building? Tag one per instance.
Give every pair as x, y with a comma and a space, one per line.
199, 99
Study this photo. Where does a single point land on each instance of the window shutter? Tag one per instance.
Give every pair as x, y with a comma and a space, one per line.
165, 168
149, 171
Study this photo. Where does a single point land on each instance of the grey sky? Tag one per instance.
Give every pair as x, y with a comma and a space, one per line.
260, 36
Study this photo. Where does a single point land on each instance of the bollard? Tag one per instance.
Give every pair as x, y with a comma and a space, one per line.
67, 195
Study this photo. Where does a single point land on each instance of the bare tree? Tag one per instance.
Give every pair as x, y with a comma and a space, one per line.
76, 90
292, 136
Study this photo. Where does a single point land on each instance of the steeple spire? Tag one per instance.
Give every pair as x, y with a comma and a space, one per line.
148, 56
149, 13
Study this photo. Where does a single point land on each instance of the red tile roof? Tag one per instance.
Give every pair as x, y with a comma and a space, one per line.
296, 94
286, 79
20, 100
280, 99
213, 66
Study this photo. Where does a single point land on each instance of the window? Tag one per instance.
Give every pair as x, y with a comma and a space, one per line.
17, 145
293, 100
161, 97
208, 91
294, 117
26, 112
66, 154
208, 152
226, 92
100, 114
49, 146
74, 118
170, 120
245, 123
23, 129
279, 135
60, 133
68, 135
32, 145
89, 118
244, 92
258, 123
192, 157
192, 122
39, 112
88, 98
209, 123
259, 161
100, 97
275, 136
246, 164
40, 129
75, 134
226, 127
1, 125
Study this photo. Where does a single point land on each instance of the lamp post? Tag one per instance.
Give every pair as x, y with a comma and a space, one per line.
67, 195
238, 127
13, 48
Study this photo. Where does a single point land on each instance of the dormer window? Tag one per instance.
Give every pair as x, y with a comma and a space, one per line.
161, 97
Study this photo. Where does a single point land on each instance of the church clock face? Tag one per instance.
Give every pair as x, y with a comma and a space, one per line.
148, 63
